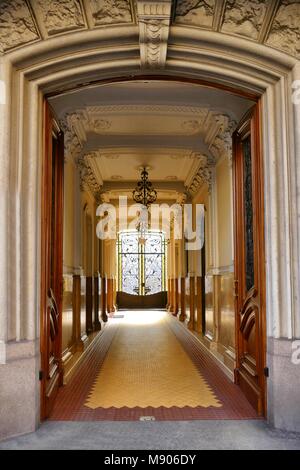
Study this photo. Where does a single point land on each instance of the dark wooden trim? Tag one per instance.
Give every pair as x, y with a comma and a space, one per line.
97, 324
191, 324
51, 260
127, 301
104, 299
199, 304
89, 304
252, 304
182, 316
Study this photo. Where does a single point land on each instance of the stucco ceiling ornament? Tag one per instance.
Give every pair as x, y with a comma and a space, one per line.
222, 145
88, 179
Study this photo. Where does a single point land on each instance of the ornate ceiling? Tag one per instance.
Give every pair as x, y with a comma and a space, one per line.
275, 23
180, 136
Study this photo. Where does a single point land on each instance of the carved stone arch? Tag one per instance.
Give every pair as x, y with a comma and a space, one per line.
33, 67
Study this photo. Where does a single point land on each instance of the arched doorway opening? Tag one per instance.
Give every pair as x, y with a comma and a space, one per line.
213, 57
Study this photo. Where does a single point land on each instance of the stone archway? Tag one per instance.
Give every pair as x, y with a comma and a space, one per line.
36, 62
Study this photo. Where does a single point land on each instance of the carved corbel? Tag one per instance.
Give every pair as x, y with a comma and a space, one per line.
154, 23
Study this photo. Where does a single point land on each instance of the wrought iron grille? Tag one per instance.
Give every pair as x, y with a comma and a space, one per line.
141, 266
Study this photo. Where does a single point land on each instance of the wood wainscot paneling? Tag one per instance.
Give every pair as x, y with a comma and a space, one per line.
191, 324
182, 316
176, 303
110, 296
127, 301
104, 299
209, 307
97, 299
226, 337
89, 304
187, 298
79, 332
67, 313
68, 326
199, 304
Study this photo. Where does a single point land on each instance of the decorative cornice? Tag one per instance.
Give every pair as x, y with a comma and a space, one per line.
154, 23
219, 139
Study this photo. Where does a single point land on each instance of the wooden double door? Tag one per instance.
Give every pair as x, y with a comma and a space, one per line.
52, 261
251, 372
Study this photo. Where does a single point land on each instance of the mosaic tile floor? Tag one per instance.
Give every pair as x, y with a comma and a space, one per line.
90, 395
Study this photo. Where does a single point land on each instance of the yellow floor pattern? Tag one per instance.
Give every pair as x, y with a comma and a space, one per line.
147, 366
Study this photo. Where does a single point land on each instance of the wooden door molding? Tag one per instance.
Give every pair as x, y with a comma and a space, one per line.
51, 262
250, 261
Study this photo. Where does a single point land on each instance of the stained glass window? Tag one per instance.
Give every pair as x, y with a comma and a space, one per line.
142, 267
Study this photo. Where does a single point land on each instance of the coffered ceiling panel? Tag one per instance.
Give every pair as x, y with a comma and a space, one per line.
171, 165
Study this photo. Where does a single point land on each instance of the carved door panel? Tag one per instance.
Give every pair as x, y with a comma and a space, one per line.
249, 261
51, 272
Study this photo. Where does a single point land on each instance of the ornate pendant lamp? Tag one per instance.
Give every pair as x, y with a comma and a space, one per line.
144, 193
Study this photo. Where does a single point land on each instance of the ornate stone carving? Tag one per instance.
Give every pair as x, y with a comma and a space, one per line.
191, 126
154, 22
285, 31
195, 12
106, 12
17, 27
100, 125
58, 16
203, 175
88, 179
220, 128
245, 18
222, 144
83, 121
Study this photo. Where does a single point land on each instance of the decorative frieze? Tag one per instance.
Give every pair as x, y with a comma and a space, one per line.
195, 12
154, 22
285, 31
59, 16
17, 27
245, 18
105, 12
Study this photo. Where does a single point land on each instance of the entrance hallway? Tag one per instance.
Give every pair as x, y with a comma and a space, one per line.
147, 364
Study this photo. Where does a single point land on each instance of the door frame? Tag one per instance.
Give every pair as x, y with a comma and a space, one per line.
50, 129
250, 124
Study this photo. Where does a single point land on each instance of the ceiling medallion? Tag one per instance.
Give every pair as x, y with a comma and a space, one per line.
144, 192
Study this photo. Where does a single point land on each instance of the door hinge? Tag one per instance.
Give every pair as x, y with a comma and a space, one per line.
266, 372
41, 375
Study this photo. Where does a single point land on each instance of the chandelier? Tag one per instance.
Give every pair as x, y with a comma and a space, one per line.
144, 192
